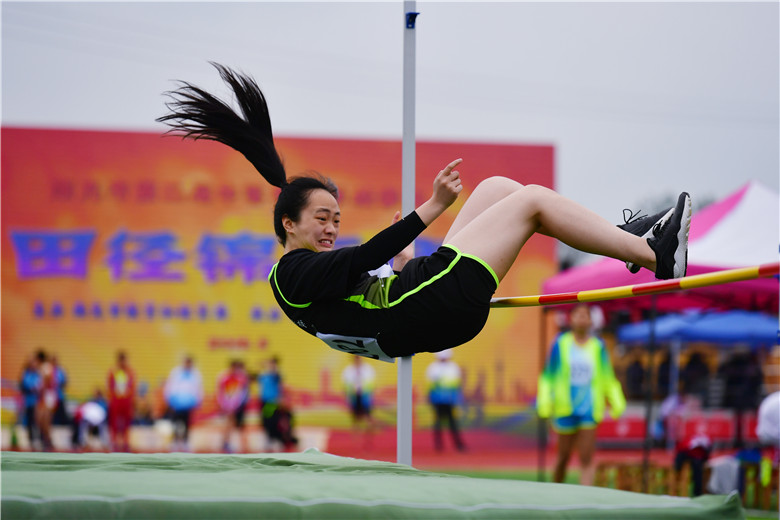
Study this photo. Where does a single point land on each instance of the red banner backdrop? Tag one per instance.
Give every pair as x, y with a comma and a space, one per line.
161, 247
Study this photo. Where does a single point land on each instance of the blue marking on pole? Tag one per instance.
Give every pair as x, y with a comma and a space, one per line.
410, 19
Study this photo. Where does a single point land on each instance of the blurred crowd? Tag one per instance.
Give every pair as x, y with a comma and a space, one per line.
103, 420
108, 414
735, 380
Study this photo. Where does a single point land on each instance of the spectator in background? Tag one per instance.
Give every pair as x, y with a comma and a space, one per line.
144, 412
635, 378
30, 388
725, 470
275, 413
667, 428
48, 399
91, 418
574, 387
183, 394
662, 376
743, 379
359, 380
232, 398
695, 377
60, 416
768, 433
445, 392
768, 425
694, 449
121, 402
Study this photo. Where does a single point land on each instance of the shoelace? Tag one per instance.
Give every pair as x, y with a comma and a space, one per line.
658, 227
632, 217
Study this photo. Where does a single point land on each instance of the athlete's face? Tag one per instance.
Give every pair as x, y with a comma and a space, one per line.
318, 225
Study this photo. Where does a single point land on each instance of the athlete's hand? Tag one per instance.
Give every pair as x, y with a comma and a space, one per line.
447, 185
399, 260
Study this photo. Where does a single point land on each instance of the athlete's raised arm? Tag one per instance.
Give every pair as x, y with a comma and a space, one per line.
446, 187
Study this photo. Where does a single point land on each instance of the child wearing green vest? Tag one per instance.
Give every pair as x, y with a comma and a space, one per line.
574, 387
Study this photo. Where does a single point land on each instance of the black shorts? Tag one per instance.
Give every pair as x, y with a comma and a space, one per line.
445, 302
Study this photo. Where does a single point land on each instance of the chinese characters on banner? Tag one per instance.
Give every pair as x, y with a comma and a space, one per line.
151, 256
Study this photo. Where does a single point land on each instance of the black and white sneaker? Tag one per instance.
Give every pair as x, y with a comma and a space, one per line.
670, 241
643, 226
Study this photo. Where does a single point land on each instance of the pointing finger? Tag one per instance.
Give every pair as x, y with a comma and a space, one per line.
447, 169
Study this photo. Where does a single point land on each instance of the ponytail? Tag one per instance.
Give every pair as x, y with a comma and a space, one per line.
196, 114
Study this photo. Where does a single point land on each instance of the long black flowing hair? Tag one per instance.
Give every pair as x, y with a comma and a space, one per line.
197, 114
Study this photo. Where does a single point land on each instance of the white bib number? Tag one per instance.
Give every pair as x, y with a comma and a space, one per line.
366, 347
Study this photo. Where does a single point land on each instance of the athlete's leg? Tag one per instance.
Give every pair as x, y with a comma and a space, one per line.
499, 231
487, 193
587, 447
566, 443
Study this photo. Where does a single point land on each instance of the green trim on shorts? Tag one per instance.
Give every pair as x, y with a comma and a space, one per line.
429, 281
476, 259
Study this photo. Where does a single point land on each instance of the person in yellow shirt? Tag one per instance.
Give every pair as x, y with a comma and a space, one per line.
574, 387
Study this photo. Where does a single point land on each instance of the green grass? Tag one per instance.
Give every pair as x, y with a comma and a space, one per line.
760, 515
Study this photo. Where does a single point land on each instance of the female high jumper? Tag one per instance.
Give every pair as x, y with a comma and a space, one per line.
425, 304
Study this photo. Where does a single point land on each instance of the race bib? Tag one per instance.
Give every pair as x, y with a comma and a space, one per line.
366, 347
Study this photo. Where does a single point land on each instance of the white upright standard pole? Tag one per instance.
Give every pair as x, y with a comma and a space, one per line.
404, 397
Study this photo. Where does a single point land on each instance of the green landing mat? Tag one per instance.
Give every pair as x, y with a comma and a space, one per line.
305, 485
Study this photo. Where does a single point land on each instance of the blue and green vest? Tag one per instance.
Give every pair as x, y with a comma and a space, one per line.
554, 389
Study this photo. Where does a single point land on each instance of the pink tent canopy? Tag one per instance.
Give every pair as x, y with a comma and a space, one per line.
741, 230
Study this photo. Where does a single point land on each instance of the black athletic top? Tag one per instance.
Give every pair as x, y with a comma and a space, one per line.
332, 293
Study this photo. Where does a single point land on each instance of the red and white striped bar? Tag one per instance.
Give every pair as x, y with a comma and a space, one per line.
643, 289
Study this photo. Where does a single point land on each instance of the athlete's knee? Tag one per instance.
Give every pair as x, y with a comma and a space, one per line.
535, 198
499, 184
537, 191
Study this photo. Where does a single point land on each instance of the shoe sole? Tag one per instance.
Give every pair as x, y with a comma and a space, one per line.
681, 253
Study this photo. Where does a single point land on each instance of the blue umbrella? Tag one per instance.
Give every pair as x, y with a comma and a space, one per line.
667, 327
729, 327
733, 327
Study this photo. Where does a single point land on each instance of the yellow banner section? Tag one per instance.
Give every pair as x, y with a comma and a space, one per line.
160, 247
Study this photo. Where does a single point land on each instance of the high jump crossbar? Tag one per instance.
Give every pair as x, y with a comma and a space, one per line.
642, 289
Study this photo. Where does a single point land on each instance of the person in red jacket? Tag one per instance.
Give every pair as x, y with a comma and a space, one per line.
232, 398
121, 402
